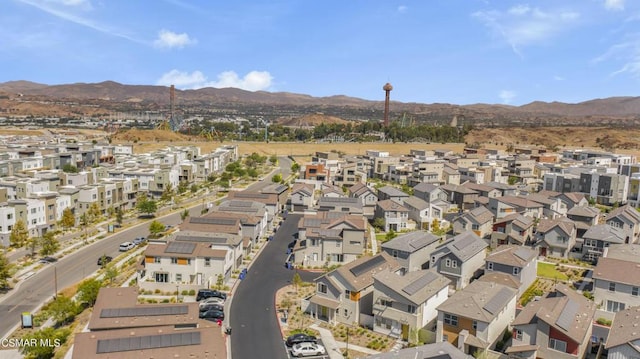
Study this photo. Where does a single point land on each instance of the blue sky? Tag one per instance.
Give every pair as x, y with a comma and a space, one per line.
432, 51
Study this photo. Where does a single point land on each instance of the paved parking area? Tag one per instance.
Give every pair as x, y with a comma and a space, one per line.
289, 356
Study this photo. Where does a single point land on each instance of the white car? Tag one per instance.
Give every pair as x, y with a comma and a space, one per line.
212, 300
125, 246
307, 349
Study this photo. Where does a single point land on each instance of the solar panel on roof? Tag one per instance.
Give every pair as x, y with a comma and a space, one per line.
498, 301
522, 253
362, 268
188, 238
147, 342
463, 242
210, 220
144, 311
180, 247
568, 315
413, 287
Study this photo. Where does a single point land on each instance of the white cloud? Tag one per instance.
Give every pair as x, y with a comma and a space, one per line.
169, 39
615, 5
558, 78
522, 25
402, 9
626, 53
252, 81
506, 96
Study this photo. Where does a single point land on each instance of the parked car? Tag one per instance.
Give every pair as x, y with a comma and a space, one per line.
47, 260
212, 315
300, 338
103, 260
212, 300
139, 240
211, 306
125, 246
307, 349
208, 293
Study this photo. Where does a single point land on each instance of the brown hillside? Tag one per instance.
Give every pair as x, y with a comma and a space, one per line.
137, 135
310, 120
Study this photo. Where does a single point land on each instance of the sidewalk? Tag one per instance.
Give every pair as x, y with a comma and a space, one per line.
334, 348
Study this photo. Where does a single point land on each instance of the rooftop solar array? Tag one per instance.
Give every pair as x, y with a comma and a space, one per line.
522, 253
147, 342
367, 266
498, 301
180, 247
568, 315
413, 287
188, 238
147, 311
210, 220
463, 242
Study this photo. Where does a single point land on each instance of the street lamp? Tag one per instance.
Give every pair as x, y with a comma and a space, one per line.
177, 293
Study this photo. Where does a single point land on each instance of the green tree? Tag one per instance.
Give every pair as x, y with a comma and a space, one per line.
273, 160
63, 310
194, 188
111, 272
277, 178
68, 218
295, 167
512, 180
49, 244
252, 172
168, 193
184, 214
19, 235
297, 281
88, 291
56, 337
84, 223
156, 227
5, 270
69, 168
219, 282
378, 223
94, 213
119, 216
390, 235
32, 244
183, 186
148, 207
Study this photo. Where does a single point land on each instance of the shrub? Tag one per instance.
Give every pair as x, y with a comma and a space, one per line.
192, 292
604, 321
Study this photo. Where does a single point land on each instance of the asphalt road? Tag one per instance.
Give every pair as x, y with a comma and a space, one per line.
255, 329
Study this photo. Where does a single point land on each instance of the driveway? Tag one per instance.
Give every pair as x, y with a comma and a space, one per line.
256, 333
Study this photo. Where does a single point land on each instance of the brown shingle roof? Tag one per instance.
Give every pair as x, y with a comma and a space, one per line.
371, 265
625, 327
619, 271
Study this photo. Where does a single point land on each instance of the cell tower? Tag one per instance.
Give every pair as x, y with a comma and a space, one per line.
387, 90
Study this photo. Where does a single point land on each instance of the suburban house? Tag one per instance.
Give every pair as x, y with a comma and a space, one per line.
328, 238
394, 214
573, 199
460, 258
391, 193
584, 217
412, 250
506, 205
518, 261
280, 190
442, 350
479, 220
556, 326
599, 237
616, 278
422, 212
624, 338
429, 192
366, 195
406, 303
340, 204
302, 197
270, 200
552, 207
474, 319
465, 198
627, 218
345, 295
119, 327
512, 229
556, 237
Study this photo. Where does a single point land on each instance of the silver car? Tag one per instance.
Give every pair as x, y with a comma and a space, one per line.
307, 349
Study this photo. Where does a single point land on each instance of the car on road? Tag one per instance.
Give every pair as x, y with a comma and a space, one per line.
212, 300
125, 246
212, 314
139, 240
208, 293
211, 306
47, 260
103, 260
307, 349
300, 338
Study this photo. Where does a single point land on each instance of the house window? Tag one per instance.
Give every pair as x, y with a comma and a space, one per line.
517, 334
386, 302
394, 253
612, 287
322, 288
178, 277
345, 313
474, 325
162, 277
9, 215
475, 227
489, 265
450, 319
156, 259
634, 291
207, 262
174, 260
347, 293
558, 345
516, 270
614, 306
447, 262
454, 264
411, 309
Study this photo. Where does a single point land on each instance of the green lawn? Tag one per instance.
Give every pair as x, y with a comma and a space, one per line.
548, 270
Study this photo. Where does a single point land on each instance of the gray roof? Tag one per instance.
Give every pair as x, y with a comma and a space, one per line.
465, 245
442, 350
479, 300
415, 202
512, 255
411, 241
417, 286
425, 187
624, 328
624, 252
583, 211
354, 202
392, 191
606, 233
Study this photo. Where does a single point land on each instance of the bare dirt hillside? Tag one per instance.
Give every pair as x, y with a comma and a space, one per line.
310, 120
137, 135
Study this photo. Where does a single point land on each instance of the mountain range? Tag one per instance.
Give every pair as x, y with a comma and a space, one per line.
614, 110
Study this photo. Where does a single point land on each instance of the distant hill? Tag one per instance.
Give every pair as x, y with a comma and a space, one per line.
615, 110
